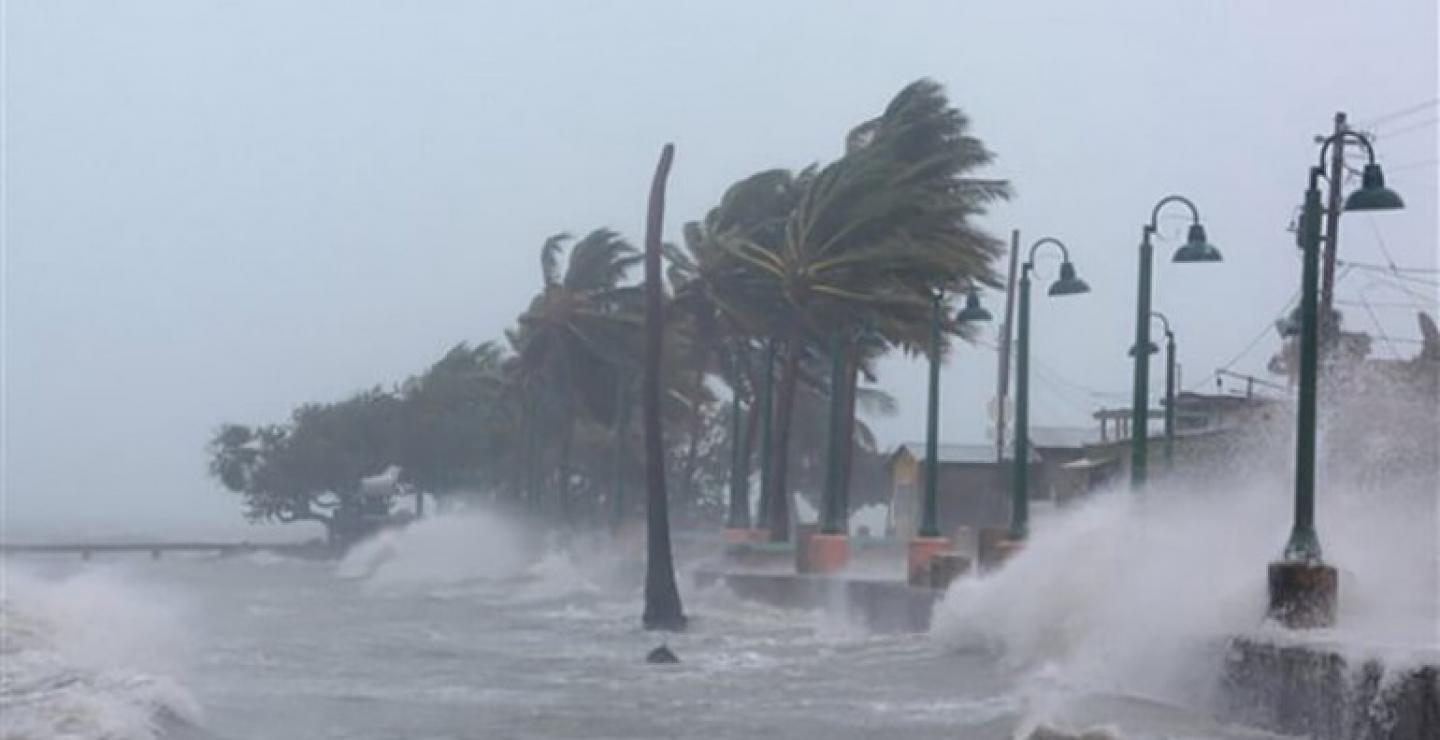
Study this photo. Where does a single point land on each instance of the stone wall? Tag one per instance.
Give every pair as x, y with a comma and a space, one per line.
1316, 692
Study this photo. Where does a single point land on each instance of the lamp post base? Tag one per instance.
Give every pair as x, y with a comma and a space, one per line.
741, 536
1303, 595
918, 562
995, 546
945, 567
828, 552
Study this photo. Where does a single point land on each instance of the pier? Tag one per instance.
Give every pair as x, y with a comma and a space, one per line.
86, 550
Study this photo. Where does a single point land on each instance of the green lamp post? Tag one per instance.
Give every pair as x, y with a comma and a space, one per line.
973, 311
1067, 284
1302, 588
1169, 386
833, 515
1195, 249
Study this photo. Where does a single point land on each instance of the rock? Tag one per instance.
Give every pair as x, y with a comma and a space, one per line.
662, 655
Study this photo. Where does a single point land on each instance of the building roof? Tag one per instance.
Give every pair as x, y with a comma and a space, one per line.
957, 454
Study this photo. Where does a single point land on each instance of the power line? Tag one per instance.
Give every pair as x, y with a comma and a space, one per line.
1412, 305
1407, 110
1412, 127
1378, 326
1386, 268
1396, 274
1265, 330
1380, 240
1412, 165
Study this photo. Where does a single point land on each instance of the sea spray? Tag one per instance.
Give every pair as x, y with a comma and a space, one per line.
90, 655
451, 548
455, 553
1137, 594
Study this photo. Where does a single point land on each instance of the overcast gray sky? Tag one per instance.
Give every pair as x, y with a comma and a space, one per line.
217, 211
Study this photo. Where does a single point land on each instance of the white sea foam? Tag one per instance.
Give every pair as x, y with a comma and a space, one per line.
92, 655
1137, 595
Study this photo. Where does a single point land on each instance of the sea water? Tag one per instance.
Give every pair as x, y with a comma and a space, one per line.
1110, 624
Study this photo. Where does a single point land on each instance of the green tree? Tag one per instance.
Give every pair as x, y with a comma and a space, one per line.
312, 468
572, 343
870, 238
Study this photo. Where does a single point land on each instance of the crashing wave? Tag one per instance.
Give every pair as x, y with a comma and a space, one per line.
83, 657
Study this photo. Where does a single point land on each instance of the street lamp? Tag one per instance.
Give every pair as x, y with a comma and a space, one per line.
1195, 249
1302, 588
927, 540
1169, 387
973, 311
1066, 284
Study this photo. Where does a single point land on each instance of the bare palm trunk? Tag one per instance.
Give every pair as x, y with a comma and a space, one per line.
531, 496
617, 490
784, 414
697, 424
847, 439
747, 456
567, 441
739, 510
662, 598
767, 436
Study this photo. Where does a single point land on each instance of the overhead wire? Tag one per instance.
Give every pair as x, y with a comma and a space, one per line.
1401, 113
1407, 129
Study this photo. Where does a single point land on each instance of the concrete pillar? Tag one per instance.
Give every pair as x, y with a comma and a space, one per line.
922, 549
733, 536
995, 547
803, 533
945, 567
1303, 595
828, 552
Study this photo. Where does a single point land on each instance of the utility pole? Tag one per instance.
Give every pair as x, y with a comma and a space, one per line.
1331, 237
1002, 376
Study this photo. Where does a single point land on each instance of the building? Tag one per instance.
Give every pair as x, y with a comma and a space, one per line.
973, 489
1208, 427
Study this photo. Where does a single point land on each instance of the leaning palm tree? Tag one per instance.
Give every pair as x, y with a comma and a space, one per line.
871, 238
709, 308
573, 341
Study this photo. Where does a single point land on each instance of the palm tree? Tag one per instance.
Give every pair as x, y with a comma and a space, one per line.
572, 343
662, 598
870, 239
709, 297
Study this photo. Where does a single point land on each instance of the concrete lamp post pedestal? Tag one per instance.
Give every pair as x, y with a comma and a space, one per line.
739, 536
922, 549
945, 567
1303, 595
828, 552
995, 546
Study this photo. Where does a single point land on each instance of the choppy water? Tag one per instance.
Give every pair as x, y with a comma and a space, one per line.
453, 630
